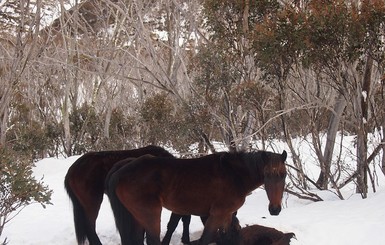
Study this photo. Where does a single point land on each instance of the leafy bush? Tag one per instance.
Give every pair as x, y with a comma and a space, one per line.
18, 187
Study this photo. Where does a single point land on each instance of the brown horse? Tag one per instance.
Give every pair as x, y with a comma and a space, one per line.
252, 235
213, 186
172, 224
84, 183
262, 235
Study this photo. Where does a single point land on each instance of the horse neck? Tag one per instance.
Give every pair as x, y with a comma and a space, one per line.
253, 177
258, 175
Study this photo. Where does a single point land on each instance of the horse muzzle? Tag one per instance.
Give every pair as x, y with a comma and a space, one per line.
274, 210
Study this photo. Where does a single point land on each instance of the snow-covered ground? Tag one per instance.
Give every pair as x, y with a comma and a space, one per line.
351, 221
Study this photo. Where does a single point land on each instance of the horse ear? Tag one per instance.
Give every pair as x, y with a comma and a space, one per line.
284, 155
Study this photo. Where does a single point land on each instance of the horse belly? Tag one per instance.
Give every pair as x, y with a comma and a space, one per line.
184, 206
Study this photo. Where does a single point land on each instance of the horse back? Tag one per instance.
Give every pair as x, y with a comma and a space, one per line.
99, 163
88, 173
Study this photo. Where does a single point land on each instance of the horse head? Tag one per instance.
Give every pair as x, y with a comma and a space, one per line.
274, 179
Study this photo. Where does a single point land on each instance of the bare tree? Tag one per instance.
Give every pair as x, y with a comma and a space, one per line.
19, 30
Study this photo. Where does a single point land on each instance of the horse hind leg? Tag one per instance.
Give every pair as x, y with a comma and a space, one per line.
131, 232
141, 205
149, 219
136, 235
92, 211
152, 234
151, 223
83, 227
85, 210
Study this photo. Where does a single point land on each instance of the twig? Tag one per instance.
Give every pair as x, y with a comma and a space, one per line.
306, 177
308, 196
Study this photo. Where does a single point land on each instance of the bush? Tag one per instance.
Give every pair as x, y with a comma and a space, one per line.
18, 187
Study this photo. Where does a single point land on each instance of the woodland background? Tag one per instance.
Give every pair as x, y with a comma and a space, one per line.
77, 76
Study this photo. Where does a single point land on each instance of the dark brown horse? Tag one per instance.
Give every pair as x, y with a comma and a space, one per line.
252, 235
262, 235
84, 183
213, 186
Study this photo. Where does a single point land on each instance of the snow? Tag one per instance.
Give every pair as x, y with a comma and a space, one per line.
364, 95
351, 221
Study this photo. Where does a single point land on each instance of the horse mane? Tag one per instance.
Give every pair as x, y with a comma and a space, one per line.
258, 163
247, 159
243, 167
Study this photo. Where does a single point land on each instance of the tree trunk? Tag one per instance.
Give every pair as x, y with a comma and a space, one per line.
383, 149
287, 137
362, 170
250, 123
362, 116
383, 125
107, 121
326, 160
4, 107
3, 128
109, 107
66, 121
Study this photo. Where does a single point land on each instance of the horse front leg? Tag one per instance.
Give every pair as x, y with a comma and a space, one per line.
231, 235
173, 223
186, 219
171, 226
212, 225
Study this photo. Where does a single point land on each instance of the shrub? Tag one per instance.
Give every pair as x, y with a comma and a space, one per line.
18, 187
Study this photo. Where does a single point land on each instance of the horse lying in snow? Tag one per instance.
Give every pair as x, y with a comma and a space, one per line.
252, 235
262, 235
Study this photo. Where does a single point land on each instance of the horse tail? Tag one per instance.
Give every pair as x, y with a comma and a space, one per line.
80, 218
124, 220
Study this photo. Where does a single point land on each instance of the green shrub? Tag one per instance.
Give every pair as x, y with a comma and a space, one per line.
18, 187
